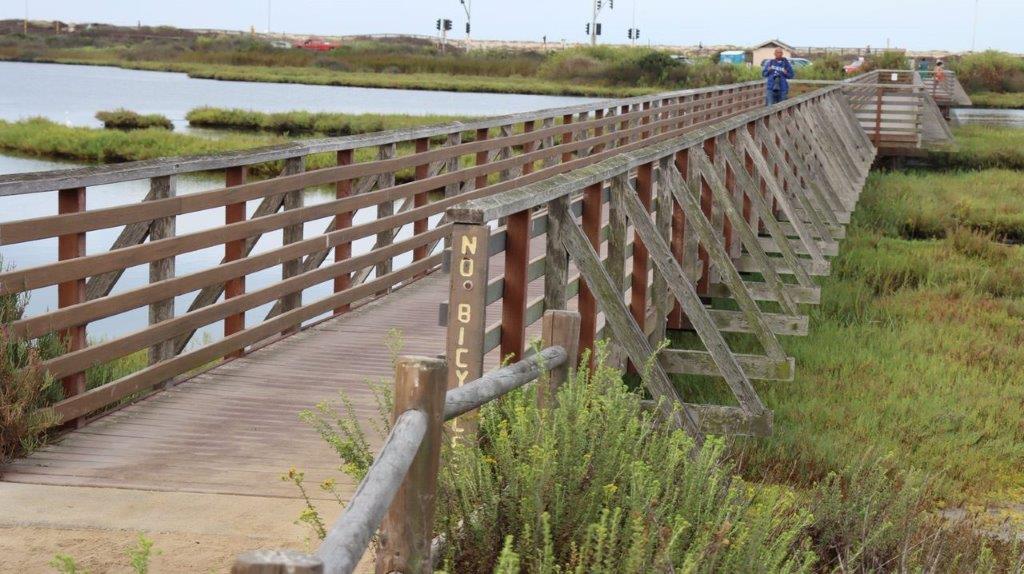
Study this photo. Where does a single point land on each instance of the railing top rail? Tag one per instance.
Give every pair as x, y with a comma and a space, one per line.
36, 182
540, 193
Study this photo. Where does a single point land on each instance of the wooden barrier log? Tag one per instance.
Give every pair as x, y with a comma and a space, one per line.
407, 530
277, 562
558, 329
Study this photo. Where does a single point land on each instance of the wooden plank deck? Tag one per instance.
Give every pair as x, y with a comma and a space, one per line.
235, 429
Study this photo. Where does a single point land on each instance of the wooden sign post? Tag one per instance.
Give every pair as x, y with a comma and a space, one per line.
467, 307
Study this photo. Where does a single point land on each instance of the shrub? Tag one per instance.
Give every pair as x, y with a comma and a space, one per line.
990, 71
887, 60
122, 119
24, 387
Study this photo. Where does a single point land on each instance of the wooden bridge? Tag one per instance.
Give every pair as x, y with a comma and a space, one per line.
698, 210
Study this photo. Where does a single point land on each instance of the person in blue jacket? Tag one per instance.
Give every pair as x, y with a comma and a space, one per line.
778, 73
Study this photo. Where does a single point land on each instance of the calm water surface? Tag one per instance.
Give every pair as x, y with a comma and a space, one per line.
985, 116
73, 94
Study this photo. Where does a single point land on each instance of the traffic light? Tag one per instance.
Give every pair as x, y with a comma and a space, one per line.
598, 29
629, 34
467, 27
598, 4
438, 24
588, 28
637, 33
611, 4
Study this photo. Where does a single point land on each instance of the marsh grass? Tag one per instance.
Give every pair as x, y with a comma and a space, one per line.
981, 147
306, 123
122, 119
996, 100
916, 345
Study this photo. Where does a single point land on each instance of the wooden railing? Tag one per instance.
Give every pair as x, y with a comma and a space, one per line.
427, 170
399, 492
767, 192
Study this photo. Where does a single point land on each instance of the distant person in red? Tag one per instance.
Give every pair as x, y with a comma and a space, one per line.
940, 72
778, 73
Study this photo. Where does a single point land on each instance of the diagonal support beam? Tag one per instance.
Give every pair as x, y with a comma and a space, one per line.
765, 215
762, 169
625, 330
718, 256
685, 292
747, 237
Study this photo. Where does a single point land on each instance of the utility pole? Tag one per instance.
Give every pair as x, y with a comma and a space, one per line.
593, 28
25, 26
467, 5
268, 15
974, 34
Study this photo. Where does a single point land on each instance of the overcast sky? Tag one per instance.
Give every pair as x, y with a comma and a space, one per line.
915, 24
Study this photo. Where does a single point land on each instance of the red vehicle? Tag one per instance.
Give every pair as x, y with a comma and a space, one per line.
315, 45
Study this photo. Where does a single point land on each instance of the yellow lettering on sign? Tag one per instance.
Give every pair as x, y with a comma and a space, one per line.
465, 313
466, 267
462, 376
462, 336
459, 361
468, 245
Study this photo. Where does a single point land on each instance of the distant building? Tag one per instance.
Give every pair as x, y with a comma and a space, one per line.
766, 51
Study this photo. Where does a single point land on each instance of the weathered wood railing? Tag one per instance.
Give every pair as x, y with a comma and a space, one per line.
767, 192
427, 169
399, 492
896, 108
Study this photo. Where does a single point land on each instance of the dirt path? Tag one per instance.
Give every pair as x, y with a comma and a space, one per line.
193, 532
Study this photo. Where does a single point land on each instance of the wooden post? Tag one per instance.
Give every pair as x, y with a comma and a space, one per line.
878, 119
292, 234
277, 562
421, 226
561, 328
481, 158
407, 530
385, 209
162, 228
513, 304
592, 228
343, 220
638, 291
556, 259
72, 246
467, 307
678, 244
234, 250
706, 206
567, 138
528, 147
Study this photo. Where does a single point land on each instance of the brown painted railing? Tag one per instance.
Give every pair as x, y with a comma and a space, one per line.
426, 169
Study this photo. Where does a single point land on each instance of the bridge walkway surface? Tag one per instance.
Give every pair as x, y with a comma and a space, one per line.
198, 468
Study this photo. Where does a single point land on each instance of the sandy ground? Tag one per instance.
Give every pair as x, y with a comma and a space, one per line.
96, 526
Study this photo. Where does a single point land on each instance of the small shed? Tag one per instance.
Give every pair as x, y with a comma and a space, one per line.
766, 51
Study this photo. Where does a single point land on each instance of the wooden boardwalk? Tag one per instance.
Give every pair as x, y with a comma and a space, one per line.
235, 429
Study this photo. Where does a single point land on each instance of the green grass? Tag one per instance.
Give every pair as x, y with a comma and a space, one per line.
917, 345
40, 137
305, 123
923, 205
981, 147
122, 119
1005, 101
595, 484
